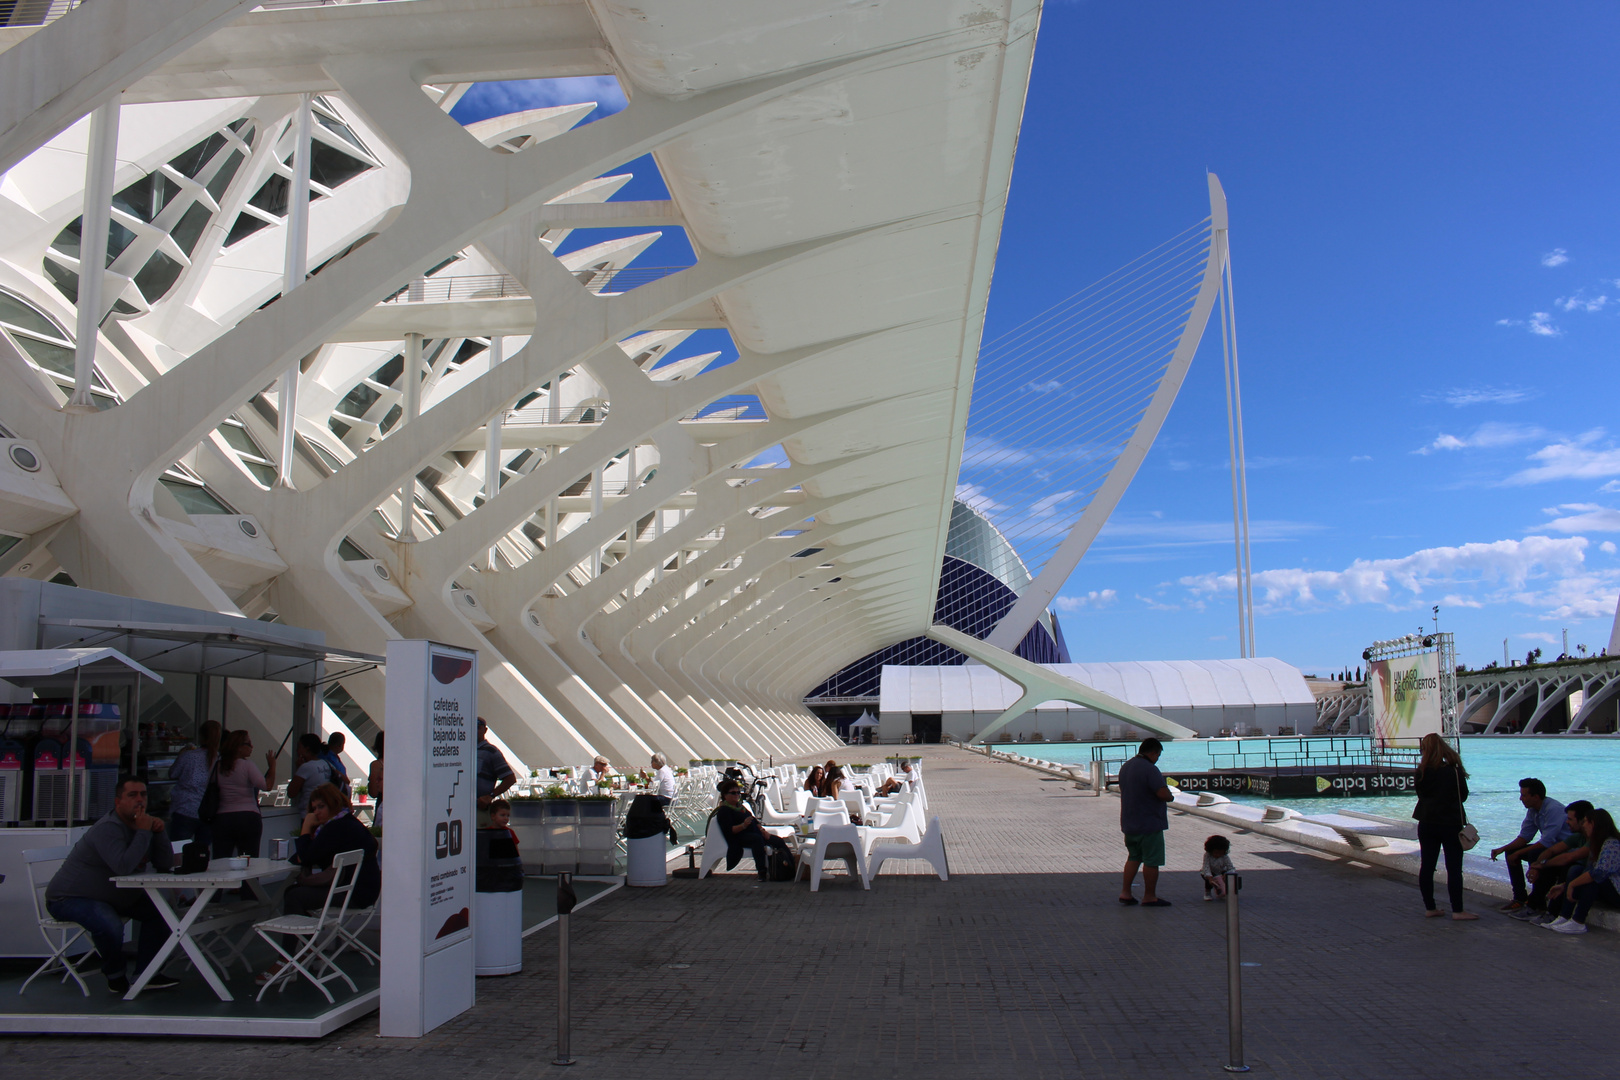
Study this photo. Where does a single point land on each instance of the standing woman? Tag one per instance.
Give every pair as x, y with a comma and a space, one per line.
374, 781
191, 772
1442, 788
238, 826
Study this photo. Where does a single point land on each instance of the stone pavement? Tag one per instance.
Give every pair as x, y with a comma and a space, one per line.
1023, 964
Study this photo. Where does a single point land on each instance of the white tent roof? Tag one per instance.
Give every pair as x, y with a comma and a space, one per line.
28, 664
1147, 684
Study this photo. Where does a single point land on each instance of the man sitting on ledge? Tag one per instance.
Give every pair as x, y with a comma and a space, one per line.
1542, 816
1554, 864
81, 891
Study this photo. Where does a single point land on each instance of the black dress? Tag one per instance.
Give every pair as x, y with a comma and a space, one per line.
1441, 791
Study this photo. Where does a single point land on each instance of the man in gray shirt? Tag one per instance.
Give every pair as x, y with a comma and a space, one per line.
1144, 818
81, 891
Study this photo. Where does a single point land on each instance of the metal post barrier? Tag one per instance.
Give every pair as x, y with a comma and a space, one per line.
1099, 777
1234, 978
565, 904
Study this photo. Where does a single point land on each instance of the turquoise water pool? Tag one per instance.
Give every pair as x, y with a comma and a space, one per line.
1571, 769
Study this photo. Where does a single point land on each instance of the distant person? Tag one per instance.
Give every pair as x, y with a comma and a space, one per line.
1217, 864
743, 831
333, 756
310, 771
815, 781
1544, 825
1600, 880
1551, 867
191, 772
906, 781
663, 780
1144, 818
600, 771
239, 825
495, 774
126, 841
1442, 788
374, 781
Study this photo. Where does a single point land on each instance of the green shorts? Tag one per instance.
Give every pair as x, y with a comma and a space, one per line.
1146, 848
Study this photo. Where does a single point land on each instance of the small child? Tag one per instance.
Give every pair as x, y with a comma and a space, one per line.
500, 817
1217, 863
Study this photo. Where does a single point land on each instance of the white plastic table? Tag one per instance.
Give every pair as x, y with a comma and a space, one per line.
184, 930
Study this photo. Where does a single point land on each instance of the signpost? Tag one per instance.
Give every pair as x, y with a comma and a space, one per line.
428, 955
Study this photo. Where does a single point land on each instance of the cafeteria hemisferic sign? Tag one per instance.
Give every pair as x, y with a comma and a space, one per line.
428, 839
452, 783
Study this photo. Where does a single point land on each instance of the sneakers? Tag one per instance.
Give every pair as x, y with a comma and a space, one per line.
1545, 919
1208, 897
1554, 924
1511, 906
1570, 926
1524, 914
161, 981
117, 985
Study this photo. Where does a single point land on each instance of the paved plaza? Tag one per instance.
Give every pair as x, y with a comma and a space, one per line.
1023, 964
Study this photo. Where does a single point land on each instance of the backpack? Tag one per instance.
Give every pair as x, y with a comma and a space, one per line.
783, 866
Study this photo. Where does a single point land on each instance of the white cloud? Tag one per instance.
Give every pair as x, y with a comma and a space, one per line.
1581, 302
1485, 436
1555, 257
1541, 325
1360, 457
1584, 517
1047, 505
1536, 635
1607, 547
1044, 387
1571, 459
1461, 396
975, 496
1545, 574
1092, 599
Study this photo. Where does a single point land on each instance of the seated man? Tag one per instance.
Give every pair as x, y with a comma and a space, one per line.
742, 831
906, 781
1542, 816
1552, 866
126, 841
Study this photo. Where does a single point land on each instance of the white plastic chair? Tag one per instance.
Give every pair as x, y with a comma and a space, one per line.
714, 848
907, 826
841, 843
39, 861
318, 932
931, 849
823, 818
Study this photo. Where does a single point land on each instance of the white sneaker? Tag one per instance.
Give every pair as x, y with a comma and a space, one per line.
1555, 923
1571, 927
1208, 897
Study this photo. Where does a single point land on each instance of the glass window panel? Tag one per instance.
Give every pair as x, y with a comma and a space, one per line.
330, 167
272, 195
118, 238
65, 280
358, 400
222, 179
348, 552
8, 542
325, 455
194, 499
263, 473
15, 311
55, 358
146, 197
67, 241
243, 227
157, 277
188, 230
240, 439
191, 162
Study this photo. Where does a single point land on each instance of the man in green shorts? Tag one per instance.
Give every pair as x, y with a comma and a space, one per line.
1144, 817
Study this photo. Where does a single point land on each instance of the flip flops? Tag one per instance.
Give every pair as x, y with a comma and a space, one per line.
1156, 903
1129, 900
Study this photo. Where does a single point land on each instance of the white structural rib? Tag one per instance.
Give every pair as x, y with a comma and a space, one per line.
1040, 593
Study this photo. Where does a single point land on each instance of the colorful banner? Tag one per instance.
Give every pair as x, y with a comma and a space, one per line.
1405, 699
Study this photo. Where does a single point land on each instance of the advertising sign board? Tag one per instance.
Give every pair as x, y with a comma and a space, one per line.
1405, 694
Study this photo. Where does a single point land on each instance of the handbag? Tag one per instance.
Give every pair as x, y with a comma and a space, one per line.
208, 808
1468, 836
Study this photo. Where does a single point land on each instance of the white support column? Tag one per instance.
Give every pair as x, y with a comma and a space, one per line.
492, 442
629, 490
295, 266
100, 167
413, 408
658, 534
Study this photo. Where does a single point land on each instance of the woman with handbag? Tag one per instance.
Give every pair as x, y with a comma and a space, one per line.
1442, 788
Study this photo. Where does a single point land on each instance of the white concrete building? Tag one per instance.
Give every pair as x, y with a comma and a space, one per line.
449, 430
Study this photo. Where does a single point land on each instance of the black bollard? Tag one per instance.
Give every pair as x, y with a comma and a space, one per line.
1234, 978
565, 905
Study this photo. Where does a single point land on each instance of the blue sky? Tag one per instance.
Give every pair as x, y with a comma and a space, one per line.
1427, 263
1426, 254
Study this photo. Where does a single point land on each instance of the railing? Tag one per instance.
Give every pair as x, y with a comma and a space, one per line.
1304, 753
440, 290
34, 12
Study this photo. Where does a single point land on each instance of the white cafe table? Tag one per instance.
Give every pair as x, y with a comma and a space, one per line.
184, 930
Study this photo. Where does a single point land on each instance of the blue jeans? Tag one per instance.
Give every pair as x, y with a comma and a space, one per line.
106, 926
1579, 903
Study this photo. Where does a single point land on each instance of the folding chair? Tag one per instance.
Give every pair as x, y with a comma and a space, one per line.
350, 934
40, 860
318, 933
